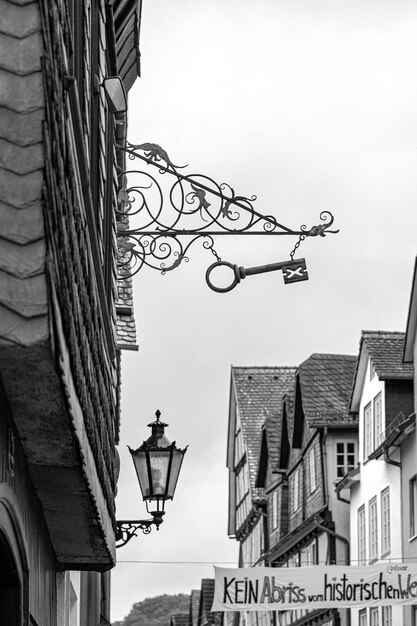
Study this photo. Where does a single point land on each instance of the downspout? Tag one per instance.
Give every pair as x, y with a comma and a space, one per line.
339, 497
324, 467
390, 461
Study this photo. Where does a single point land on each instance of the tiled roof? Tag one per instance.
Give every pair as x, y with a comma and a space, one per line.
326, 384
179, 619
259, 393
386, 351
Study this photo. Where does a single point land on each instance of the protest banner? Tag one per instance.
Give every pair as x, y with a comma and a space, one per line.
314, 587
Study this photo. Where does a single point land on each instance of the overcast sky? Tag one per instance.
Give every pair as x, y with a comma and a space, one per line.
310, 105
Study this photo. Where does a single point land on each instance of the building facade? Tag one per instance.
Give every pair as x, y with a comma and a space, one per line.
317, 439
64, 317
379, 488
409, 447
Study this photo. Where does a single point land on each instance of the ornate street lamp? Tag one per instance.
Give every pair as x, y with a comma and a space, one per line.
157, 462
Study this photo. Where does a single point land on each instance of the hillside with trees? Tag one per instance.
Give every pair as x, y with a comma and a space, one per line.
156, 611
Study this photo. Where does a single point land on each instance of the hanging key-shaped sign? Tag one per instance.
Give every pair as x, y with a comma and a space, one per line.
293, 271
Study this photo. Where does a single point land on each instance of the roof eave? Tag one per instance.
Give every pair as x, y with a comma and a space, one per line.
410, 333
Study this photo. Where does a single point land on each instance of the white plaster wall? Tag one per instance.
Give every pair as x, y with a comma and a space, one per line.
375, 476
415, 372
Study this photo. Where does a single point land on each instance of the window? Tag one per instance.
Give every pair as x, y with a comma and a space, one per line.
386, 616
373, 531
361, 536
242, 495
294, 560
368, 430
414, 615
373, 425
296, 490
274, 505
252, 546
374, 614
242, 486
345, 457
413, 506
362, 618
385, 522
239, 447
378, 425
309, 554
312, 469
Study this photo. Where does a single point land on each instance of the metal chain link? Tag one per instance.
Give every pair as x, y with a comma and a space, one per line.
297, 245
213, 251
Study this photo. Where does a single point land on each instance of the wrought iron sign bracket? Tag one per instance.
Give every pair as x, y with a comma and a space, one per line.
126, 529
172, 216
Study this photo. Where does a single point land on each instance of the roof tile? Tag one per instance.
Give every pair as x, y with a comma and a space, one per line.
386, 351
326, 384
259, 394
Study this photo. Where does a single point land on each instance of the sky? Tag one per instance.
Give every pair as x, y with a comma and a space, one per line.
311, 106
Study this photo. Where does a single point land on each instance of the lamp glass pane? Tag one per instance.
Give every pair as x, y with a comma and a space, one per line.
159, 460
139, 460
116, 94
177, 458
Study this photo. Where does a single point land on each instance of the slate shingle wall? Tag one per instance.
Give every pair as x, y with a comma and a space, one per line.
72, 262
23, 290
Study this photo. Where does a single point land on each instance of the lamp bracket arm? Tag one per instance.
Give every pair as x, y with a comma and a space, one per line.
126, 529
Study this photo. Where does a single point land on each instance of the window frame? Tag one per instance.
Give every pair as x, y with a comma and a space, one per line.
346, 466
378, 429
373, 529
374, 612
312, 475
361, 524
362, 618
385, 522
296, 491
413, 506
386, 616
368, 430
274, 510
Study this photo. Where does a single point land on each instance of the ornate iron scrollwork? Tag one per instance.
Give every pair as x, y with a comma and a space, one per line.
171, 216
126, 529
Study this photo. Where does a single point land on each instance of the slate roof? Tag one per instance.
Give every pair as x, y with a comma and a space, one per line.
326, 383
386, 351
259, 393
